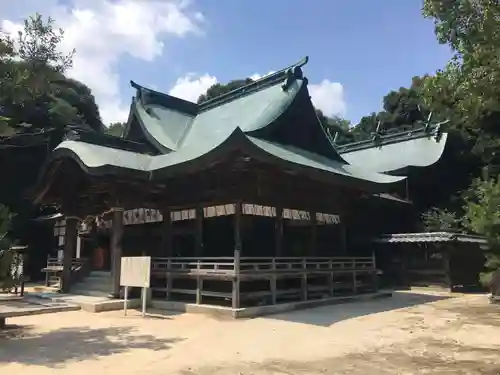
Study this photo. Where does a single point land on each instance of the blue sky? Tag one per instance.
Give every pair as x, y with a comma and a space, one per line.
368, 47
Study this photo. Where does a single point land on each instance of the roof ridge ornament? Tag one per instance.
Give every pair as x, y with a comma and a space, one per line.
292, 74
377, 134
434, 129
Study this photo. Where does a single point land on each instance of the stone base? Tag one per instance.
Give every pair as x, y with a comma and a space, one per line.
252, 312
495, 299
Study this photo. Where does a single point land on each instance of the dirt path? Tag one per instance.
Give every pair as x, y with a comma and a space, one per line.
408, 334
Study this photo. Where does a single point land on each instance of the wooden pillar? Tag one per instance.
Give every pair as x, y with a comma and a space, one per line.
446, 267
167, 248
375, 273
354, 278
199, 285
199, 232
237, 255
331, 285
272, 282
343, 236
303, 281
405, 265
167, 233
69, 252
278, 232
313, 244
116, 251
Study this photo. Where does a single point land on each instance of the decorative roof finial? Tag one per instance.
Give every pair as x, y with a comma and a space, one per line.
376, 136
293, 73
290, 78
427, 127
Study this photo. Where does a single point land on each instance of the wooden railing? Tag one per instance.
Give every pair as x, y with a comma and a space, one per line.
53, 270
319, 276
227, 265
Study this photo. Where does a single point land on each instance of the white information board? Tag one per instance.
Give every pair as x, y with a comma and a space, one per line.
135, 272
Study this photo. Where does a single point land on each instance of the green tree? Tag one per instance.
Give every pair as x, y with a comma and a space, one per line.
468, 88
436, 220
116, 129
482, 216
37, 103
219, 89
338, 128
35, 93
403, 109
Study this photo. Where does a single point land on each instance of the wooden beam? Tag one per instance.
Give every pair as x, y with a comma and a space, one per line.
199, 231
116, 250
447, 266
167, 232
68, 253
237, 255
278, 232
313, 244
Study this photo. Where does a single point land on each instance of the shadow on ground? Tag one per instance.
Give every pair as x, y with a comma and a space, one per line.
425, 356
20, 344
328, 315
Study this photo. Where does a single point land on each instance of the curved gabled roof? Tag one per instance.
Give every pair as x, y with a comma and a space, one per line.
271, 120
97, 160
418, 148
172, 124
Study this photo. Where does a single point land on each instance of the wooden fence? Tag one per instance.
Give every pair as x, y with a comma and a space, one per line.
265, 280
53, 270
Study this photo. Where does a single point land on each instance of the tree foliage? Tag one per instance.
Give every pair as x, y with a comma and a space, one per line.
482, 216
219, 89
116, 129
482, 209
35, 93
437, 220
37, 103
468, 88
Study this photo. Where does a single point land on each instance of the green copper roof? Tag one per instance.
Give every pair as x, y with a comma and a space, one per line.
272, 120
153, 167
312, 160
392, 153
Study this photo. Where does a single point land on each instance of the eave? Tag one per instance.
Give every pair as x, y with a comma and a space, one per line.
396, 152
97, 160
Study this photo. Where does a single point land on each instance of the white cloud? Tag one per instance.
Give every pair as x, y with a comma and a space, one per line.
327, 96
257, 76
190, 87
102, 31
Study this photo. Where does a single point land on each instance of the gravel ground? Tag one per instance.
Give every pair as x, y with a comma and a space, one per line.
411, 333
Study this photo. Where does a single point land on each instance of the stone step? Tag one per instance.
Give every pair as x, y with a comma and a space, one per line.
94, 286
96, 280
89, 292
106, 274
